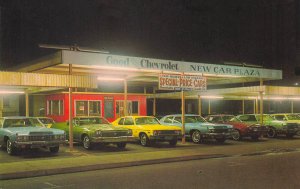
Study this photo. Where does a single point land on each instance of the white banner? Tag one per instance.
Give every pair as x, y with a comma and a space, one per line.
181, 82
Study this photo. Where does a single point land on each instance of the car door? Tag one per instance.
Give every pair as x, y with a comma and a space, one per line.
77, 129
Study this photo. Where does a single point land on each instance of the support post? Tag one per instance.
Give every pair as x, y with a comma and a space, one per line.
243, 106
254, 101
256, 105
208, 106
70, 111
182, 116
125, 97
199, 105
154, 102
292, 106
26, 104
261, 103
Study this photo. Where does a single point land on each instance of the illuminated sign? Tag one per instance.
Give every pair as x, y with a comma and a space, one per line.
139, 63
181, 82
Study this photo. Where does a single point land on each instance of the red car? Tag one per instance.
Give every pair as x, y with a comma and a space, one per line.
243, 129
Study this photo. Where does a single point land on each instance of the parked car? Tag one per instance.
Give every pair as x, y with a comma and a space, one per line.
96, 130
148, 130
28, 132
198, 128
47, 121
243, 129
275, 127
289, 118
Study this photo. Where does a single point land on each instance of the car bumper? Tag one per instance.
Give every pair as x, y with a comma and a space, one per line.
38, 144
112, 139
216, 135
165, 137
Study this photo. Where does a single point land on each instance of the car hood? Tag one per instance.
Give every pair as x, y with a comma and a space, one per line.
103, 127
158, 127
32, 130
209, 125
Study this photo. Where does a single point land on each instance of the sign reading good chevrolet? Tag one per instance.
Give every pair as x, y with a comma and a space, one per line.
139, 63
181, 82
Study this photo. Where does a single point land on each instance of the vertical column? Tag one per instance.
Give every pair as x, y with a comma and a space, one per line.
261, 103
70, 110
292, 106
199, 105
208, 106
154, 102
243, 106
125, 97
1, 106
254, 106
182, 116
26, 104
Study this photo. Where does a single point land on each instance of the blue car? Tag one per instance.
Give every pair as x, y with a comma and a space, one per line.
28, 132
198, 129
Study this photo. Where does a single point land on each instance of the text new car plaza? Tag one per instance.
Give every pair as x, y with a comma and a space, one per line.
98, 84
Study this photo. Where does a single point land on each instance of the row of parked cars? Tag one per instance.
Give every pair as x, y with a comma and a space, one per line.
29, 132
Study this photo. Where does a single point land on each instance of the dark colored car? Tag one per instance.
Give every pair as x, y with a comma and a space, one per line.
242, 129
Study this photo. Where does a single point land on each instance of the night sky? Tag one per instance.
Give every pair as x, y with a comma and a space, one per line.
261, 32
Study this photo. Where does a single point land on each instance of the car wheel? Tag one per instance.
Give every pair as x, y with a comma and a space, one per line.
220, 140
144, 140
86, 142
271, 133
54, 149
10, 148
173, 142
196, 136
236, 135
121, 145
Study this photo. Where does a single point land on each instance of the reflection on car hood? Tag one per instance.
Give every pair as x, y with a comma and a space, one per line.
103, 127
210, 125
27, 130
158, 127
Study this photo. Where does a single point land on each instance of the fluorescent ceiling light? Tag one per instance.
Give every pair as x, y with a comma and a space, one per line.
212, 97
110, 79
11, 92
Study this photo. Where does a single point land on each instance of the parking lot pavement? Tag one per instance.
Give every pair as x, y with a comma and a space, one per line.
41, 162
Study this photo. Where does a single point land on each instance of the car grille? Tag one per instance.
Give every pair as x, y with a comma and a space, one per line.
221, 130
167, 132
41, 138
292, 125
114, 133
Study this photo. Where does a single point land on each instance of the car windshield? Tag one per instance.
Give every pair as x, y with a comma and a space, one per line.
228, 118
234, 119
146, 121
46, 120
23, 122
92, 120
293, 117
265, 118
194, 119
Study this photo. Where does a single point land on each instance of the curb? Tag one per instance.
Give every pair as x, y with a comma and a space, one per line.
47, 172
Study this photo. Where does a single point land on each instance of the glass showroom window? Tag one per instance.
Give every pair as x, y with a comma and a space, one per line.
132, 108
55, 107
88, 108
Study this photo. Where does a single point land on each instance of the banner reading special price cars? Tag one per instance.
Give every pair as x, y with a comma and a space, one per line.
181, 82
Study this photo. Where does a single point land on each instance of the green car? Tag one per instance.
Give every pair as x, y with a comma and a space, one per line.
276, 127
96, 130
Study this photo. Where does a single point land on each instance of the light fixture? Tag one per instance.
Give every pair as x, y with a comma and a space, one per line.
110, 79
212, 97
11, 92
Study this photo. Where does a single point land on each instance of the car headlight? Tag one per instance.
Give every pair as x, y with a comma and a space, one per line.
155, 133
98, 133
60, 137
22, 138
129, 132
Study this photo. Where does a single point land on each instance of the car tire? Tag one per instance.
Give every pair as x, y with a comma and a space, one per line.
271, 133
196, 136
10, 148
236, 135
121, 145
173, 142
144, 140
86, 142
54, 149
220, 140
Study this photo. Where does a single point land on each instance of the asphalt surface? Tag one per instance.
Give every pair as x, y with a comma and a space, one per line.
42, 163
